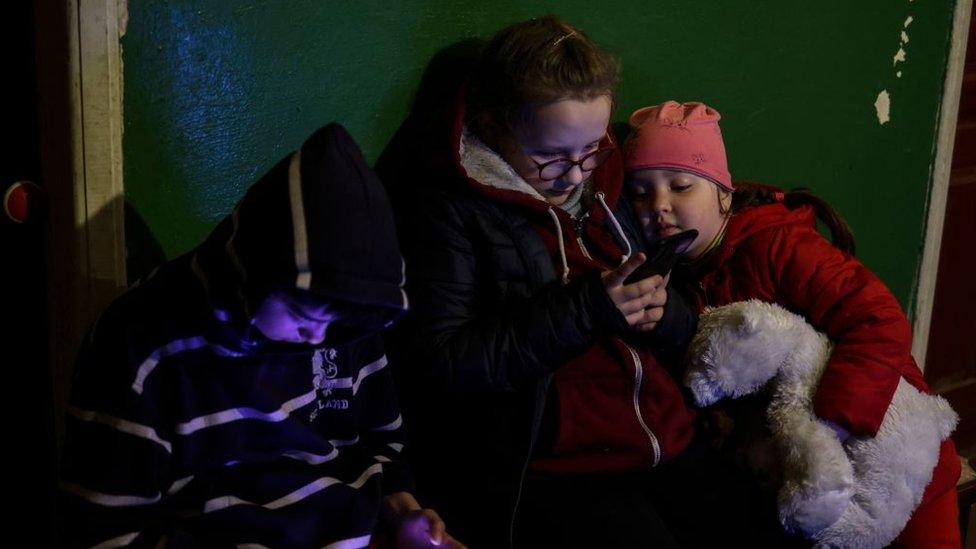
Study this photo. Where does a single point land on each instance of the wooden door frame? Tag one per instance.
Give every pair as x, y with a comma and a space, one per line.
939, 191
81, 121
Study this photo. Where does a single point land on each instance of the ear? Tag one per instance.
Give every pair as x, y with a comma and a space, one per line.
747, 323
725, 199
704, 388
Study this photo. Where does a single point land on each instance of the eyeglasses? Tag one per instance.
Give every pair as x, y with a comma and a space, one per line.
554, 169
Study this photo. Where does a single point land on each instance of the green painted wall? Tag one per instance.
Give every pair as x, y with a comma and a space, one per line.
217, 91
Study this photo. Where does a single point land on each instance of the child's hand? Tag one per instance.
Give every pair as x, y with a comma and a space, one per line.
415, 527
424, 528
641, 303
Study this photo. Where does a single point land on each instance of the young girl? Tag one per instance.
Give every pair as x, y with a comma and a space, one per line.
532, 396
758, 242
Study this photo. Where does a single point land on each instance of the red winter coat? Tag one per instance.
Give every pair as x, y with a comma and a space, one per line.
777, 255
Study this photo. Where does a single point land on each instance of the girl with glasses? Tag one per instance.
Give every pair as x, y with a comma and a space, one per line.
537, 383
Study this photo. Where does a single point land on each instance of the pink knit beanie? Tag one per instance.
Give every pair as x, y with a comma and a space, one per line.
678, 136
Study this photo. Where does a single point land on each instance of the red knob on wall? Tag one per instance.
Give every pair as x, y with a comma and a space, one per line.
22, 201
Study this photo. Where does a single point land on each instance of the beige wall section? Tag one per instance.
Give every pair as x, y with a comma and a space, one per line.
100, 139
949, 111
80, 72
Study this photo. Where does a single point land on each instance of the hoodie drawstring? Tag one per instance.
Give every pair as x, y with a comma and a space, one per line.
600, 197
616, 225
562, 244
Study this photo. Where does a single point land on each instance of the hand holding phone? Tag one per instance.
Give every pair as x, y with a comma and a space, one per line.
662, 254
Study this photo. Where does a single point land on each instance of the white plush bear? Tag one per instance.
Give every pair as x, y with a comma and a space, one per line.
857, 494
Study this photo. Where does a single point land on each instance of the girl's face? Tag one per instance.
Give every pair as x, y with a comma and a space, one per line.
564, 129
668, 202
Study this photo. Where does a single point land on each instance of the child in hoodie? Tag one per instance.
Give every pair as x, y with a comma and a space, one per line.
241, 395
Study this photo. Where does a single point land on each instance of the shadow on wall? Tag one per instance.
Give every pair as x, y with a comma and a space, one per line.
430, 115
143, 251
76, 299
402, 160
82, 298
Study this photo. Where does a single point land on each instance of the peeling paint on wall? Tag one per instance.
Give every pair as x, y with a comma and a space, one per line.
882, 106
899, 56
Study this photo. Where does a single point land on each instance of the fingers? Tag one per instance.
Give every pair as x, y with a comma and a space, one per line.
647, 327
437, 527
656, 298
650, 320
643, 286
616, 277
653, 314
438, 532
641, 302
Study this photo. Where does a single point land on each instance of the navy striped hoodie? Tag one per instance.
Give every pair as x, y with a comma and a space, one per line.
185, 426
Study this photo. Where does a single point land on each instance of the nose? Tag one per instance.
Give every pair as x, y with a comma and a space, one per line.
573, 177
659, 202
313, 332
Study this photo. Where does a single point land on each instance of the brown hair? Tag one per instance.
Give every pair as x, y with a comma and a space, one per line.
534, 62
748, 194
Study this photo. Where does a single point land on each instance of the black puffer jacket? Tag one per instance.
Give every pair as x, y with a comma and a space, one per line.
491, 321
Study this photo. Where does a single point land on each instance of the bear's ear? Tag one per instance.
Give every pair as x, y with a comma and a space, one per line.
747, 323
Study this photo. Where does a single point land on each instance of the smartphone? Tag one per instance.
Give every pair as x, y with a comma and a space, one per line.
662, 255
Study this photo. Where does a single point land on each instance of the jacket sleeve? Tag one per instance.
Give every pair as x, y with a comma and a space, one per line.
382, 431
115, 457
467, 340
842, 298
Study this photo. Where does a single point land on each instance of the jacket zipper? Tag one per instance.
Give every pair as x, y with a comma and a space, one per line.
638, 380
518, 499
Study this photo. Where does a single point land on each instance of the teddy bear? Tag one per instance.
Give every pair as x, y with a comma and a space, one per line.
856, 493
